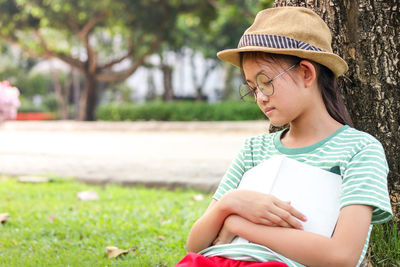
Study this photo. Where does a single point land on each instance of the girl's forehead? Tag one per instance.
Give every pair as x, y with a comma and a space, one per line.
254, 65
264, 62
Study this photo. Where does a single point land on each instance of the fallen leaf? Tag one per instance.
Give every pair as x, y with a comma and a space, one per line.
87, 195
4, 217
51, 218
161, 237
114, 252
198, 197
34, 179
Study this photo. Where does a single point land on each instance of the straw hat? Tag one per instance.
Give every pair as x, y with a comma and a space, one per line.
295, 31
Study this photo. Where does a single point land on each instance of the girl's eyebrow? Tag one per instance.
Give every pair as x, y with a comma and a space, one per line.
260, 72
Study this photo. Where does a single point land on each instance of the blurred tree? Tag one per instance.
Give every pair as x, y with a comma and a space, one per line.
95, 37
214, 32
17, 68
63, 88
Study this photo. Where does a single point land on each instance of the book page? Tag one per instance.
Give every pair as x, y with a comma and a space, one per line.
311, 190
262, 177
259, 179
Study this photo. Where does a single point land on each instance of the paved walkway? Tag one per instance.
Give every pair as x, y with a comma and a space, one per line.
162, 154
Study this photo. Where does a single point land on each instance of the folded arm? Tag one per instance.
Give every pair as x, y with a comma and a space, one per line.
255, 207
343, 249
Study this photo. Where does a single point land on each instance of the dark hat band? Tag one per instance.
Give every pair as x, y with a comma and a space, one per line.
274, 41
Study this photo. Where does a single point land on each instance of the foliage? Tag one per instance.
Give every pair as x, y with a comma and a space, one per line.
95, 36
232, 18
180, 111
48, 104
87, 34
48, 226
208, 35
29, 85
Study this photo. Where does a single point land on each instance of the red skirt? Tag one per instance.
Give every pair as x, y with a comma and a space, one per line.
196, 260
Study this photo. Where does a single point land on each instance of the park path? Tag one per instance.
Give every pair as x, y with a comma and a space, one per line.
162, 154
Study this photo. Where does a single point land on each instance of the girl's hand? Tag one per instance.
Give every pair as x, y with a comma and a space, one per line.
263, 209
225, 235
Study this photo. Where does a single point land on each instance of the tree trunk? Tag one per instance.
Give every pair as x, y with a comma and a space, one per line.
88, 99
62, 90
230, 90
76, 92
168, 94
366, 33
62, 102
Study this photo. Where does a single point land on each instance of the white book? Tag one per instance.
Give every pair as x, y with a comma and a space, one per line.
311, 190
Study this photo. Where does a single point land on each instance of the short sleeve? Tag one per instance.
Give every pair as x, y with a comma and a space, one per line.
233, 175
365, 182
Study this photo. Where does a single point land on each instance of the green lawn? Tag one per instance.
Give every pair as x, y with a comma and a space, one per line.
49, 226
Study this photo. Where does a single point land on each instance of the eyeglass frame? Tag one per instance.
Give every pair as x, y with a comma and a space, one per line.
253, 90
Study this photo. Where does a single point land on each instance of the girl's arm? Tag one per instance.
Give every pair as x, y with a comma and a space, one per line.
343, 249
255, 207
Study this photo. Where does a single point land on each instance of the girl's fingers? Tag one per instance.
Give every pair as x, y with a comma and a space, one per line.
288, 218
278, 220
267, 222
289, 208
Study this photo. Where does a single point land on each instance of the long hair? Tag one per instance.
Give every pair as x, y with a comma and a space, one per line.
327, 83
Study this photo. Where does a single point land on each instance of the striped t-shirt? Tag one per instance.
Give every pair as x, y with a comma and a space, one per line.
357, 156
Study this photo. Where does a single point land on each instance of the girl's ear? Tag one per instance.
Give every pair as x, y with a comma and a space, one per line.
308, 72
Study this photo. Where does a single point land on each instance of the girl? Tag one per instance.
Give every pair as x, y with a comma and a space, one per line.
290, 70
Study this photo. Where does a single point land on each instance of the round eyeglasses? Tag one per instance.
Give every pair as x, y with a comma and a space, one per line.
264, 85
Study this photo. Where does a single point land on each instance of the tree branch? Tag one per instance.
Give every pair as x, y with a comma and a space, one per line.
110, 77
91, 23
72, 24
130, 53
75, 63
91, 61
116, 61
84, 35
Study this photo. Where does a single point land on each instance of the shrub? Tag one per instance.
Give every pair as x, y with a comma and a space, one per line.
180, 111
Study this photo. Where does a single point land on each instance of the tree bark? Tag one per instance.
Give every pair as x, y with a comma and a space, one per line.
366, 33
168, 94
88, 99
62, 94
76, 92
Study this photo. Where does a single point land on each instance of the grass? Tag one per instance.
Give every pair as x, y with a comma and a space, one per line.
385, 245
49, 226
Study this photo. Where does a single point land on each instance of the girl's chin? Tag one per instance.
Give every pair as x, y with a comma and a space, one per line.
278, 123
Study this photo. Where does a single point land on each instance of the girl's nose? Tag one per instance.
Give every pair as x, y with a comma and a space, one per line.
261, 97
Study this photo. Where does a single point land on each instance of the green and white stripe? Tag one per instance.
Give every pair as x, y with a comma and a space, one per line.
363, 167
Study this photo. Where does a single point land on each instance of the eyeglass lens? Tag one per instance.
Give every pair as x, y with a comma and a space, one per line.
247, 94
264, 84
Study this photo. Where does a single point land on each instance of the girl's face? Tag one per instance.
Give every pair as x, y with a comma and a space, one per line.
287, 102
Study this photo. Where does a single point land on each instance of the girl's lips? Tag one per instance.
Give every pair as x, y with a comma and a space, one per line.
268, 111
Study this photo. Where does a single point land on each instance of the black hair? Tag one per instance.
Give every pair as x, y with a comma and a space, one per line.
327, 83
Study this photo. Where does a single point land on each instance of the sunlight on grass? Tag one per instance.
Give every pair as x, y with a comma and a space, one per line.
49, 226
